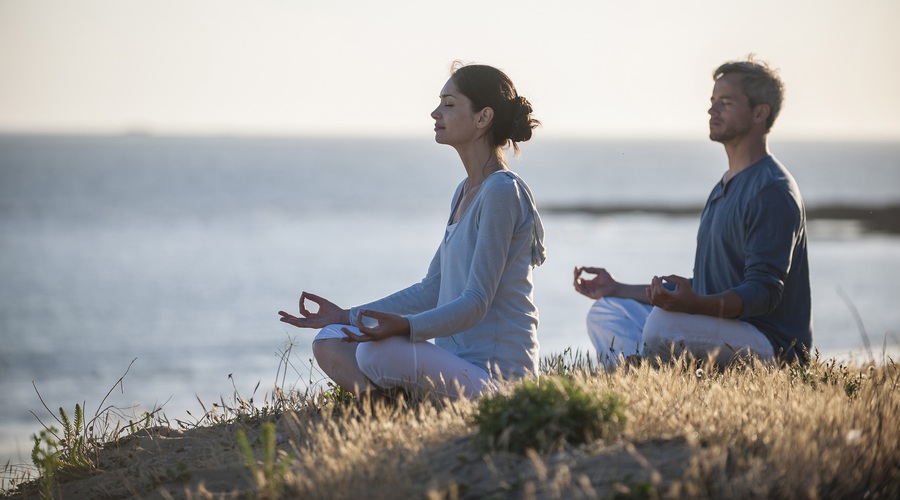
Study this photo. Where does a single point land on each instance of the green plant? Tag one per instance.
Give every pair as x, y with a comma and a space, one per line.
630, 489
44, 458
67, 456
144, 423
269, 479
541, 415
180, 473
336, 395
74, 451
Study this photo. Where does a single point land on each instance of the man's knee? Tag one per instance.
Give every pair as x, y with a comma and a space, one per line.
608, 306
660, 337
614, 327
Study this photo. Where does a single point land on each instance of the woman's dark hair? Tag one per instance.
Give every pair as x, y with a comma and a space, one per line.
488, 87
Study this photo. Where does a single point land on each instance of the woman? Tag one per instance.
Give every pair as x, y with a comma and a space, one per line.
476, 299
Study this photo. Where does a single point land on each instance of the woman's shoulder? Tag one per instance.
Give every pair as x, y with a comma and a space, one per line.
505, 189
502, 184
503, 180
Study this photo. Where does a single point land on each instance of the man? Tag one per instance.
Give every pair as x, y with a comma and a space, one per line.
750, 294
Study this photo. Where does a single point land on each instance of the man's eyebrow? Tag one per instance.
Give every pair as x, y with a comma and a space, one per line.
447, 95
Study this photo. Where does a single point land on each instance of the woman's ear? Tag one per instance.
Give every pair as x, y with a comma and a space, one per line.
484, 118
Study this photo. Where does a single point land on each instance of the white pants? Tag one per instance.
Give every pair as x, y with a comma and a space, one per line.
420, 368
615, 328
624, 326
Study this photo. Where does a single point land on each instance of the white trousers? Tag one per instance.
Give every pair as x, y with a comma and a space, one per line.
615, 327
624, 327
420, 368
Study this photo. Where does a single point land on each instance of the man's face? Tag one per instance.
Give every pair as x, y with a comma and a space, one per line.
730, 115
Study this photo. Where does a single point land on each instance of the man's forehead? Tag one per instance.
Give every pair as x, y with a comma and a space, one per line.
729, 85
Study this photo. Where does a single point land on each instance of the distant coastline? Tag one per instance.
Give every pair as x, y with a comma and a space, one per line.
883, 219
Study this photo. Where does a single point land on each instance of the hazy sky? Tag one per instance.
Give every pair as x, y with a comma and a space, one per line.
591, 68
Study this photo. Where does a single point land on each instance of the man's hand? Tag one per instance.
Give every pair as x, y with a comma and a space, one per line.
602, 284
685, 300
682, 299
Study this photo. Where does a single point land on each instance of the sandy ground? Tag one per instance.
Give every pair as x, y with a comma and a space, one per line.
207, 462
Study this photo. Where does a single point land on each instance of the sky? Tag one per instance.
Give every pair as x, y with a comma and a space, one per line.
597, 68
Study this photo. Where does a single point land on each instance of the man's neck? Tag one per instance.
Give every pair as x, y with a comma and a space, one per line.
743, 153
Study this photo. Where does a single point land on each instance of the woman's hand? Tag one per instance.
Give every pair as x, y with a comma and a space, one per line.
384, 325
328, 313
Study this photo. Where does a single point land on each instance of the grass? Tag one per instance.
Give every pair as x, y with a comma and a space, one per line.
677, 430
542, 415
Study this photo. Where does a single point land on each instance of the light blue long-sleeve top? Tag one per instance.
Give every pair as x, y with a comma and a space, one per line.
476, 300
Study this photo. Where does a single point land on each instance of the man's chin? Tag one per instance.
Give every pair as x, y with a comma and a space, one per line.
722, 137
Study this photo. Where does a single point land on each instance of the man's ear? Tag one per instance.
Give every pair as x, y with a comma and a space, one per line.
484, 118
761, 113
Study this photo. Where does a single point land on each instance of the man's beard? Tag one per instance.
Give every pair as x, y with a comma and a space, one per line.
729, 133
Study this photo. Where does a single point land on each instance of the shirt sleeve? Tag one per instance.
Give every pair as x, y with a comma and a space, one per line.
497, 216
773, 225
411, 300
415, 298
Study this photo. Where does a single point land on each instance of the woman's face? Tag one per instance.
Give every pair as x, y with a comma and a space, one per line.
454, 121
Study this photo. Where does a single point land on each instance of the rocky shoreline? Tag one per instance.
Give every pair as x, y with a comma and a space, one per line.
883, 219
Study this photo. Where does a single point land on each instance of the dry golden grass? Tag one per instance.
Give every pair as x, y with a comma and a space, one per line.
831, 431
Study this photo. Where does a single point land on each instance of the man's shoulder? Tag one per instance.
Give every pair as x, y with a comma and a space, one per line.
769, 173
772, 189
771, 168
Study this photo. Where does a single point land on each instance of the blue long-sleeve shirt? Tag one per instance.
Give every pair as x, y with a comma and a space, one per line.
752, 240
477, 300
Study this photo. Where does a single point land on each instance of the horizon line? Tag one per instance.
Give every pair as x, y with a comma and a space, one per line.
223, 134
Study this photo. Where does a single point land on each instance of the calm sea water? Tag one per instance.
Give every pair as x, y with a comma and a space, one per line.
179, 252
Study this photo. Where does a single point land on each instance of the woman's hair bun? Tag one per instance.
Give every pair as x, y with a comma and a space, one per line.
522, 123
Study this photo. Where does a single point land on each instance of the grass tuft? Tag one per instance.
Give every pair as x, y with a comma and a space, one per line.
542, 415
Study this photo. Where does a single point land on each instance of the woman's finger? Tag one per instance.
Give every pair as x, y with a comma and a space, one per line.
353, 337
303, 298
369, 320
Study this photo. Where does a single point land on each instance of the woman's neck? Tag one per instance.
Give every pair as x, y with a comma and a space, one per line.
480, 161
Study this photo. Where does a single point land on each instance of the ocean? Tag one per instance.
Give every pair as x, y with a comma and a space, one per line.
177, 253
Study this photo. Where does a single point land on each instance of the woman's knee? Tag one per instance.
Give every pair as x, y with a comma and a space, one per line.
328, 351
377, 359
